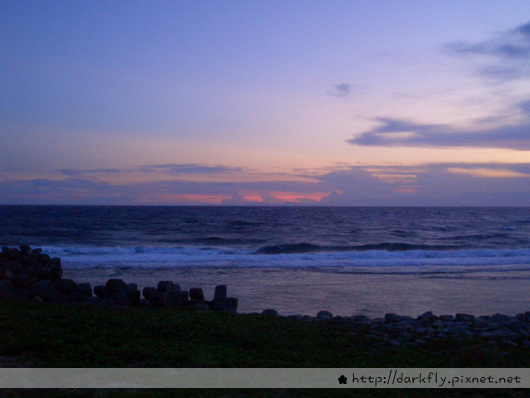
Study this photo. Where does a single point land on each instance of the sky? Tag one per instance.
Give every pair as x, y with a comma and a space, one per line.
331, 103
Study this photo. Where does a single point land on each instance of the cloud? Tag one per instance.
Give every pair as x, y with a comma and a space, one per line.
429, 184
403, 133
189, 168
79, 173
487, 172
341, 90
508, 53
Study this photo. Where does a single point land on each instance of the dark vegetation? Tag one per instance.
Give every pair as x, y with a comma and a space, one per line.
35, 334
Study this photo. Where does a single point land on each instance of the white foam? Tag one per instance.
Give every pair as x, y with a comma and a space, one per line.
374, 261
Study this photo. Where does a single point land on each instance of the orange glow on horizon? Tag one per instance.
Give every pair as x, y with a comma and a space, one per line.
250, 196
189, 198
298, 197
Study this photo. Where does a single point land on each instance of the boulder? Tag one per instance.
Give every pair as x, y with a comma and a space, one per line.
101, 291
45, 259
391, 317
45, 272
66, 286
182, 298
161, 299
47, 291
464, 317
115, 285
166, 287
270, 312
148, 292
324, 315
220, 293
7, 292
219, 298
5, 272
118, 298
196, 294
131, 287
84, 290
23, 280
55, 273
231, 304
133, 297
25, 249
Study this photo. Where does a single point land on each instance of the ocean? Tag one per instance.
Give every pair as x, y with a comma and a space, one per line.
298, 260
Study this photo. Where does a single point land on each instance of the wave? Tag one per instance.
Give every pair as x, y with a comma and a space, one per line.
308, 256
386, 246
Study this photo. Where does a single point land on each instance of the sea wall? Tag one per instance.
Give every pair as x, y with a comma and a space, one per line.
28, 274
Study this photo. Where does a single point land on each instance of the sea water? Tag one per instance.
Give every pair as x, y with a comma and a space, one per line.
297, 259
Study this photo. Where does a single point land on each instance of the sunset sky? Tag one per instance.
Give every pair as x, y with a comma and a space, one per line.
265, 102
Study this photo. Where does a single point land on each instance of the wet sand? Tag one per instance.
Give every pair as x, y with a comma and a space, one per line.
306, 291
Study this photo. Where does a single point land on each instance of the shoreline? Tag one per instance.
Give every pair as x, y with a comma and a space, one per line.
306, 292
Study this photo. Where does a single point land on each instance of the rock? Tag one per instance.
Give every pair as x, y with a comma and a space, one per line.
391, 317
196, 293
25, 249
464, 317
166, 287
219, 298
36, 252
359, 318
7, 292
164, 299
427, 315
118, 298
84, 290
183, 298
131, 287
324, 315
5, 272
270, 312
115, 285
53, 267
144, 303
23, 280
47, 291
44, 272
148, 292
30, 261
231, 304
45, 259
502, 319
101, 291
295, 317
220, 293
133, 297
66, 286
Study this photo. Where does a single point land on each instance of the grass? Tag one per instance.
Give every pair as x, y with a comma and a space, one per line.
54, 335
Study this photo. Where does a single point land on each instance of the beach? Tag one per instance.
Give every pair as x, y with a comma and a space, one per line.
305, 291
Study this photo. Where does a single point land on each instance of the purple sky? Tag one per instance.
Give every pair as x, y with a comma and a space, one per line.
265, 102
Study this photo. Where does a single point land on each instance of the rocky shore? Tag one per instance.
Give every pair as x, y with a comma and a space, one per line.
28, 274
497, 331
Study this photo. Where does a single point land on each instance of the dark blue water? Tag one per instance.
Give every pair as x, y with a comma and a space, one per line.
335, 239
297, 259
